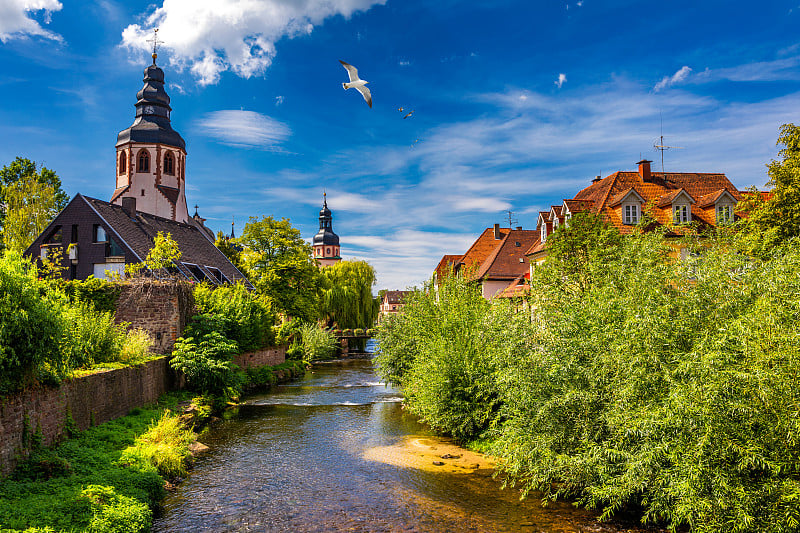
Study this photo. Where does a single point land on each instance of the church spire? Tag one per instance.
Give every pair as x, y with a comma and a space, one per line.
326, 242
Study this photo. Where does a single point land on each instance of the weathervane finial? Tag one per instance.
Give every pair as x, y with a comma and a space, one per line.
155, 42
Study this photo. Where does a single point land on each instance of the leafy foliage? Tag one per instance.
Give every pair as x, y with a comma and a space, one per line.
664, 387
206, 361
30, 325
317, 343
231, 248
22, 168
102, 294
30, 206
346, 295
246, 318
160, 258
81, 485
768, 223
278, 262
439, 351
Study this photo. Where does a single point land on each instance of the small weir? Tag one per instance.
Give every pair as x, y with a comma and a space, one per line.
336, 452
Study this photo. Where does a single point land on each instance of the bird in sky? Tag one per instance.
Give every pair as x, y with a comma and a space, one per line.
408, 114
400, 109
356, 83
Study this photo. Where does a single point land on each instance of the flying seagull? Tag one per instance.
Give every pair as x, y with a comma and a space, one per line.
408, 114
356, 83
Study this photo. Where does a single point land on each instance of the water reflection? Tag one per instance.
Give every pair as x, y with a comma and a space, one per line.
294, 460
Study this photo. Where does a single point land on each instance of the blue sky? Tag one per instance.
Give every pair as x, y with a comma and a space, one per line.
517, 104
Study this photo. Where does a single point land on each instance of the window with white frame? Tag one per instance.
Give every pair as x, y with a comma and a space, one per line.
724, 214
680, 213
631, 214
544, 232
555, 223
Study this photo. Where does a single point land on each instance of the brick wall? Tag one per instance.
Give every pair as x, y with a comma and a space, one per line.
268, 356
95, 398
161, 309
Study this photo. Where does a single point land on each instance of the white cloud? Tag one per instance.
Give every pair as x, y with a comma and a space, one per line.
776, 70
561, 79
16, 19
279, 100
246, 129
669, 81
212, 36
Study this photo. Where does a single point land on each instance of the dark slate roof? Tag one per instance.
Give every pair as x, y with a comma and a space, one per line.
325, 235
139, 233
152, 123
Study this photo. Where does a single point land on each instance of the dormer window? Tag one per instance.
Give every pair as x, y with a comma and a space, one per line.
169, 164
631, 214
555, 223
143, 161
544, 232
724, 214
681, 213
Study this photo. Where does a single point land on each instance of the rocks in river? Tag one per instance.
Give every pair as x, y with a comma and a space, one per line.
438, 463
196, 448
449, 456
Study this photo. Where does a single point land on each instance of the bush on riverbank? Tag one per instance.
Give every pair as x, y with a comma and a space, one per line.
664, 387
44, 336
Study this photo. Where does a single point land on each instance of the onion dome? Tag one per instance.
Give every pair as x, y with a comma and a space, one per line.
326, 236
152, 122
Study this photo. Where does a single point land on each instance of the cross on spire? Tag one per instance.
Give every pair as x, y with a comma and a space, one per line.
155, 42
195, 209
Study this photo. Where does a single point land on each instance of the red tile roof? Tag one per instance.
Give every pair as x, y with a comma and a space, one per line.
507, 261
446, 265
480, 250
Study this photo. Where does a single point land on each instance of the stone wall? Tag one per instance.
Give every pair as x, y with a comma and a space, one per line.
161, 308
92, 399
272, 356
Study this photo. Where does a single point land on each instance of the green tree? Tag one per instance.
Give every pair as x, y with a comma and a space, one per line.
231, 248
161, 256
278, 262
30, 205
768, 223
574, 248
21, 167
346, 295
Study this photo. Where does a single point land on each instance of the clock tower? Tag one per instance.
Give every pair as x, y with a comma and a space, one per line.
326, 242
151, 156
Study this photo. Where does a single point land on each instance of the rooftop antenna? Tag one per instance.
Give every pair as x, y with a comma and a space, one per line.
661, 147
511, 219
155, 42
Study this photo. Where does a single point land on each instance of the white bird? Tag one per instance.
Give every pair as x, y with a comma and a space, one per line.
356, 83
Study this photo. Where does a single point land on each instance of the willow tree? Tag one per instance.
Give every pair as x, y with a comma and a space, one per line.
346, 296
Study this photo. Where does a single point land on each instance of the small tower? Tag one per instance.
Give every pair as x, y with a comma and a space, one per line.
151, 156
326, 242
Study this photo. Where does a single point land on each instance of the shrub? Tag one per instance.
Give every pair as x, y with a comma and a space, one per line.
165, 445
90, 336
136, 346
101, 293
246, 317
30, 325
358, 332
317, 343
115, 513
206, 362
440, 350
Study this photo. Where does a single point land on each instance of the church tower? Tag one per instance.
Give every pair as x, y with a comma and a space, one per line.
326, 242
151, 156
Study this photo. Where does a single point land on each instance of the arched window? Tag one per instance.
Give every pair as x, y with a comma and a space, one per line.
169, 164
143, 164
123, 166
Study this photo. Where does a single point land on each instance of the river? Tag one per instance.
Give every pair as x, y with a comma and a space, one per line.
336, 452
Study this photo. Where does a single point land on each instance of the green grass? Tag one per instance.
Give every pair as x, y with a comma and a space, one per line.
83, 485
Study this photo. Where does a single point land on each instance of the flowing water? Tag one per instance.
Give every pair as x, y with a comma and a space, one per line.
335, 452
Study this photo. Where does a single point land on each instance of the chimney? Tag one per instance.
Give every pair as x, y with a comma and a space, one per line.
596, 179
497, 235
129, 205
644, 169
